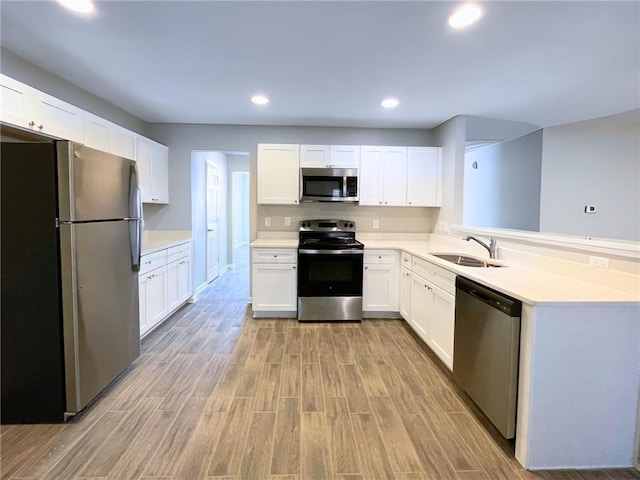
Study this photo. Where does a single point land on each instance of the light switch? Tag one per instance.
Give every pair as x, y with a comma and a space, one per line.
376, 224
287, 221
267, 221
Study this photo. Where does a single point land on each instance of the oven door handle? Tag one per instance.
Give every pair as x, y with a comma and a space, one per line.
331, 252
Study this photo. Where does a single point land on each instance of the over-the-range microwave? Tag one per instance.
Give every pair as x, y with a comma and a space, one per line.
329, 184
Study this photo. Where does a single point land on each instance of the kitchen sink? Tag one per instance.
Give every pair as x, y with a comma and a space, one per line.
466, 261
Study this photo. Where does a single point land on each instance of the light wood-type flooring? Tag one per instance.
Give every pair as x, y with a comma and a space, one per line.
219, 395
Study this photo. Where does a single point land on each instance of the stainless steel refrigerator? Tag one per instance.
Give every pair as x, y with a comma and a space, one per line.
70, 245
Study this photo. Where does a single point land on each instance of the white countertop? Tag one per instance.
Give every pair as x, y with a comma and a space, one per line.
535, 287
154, 240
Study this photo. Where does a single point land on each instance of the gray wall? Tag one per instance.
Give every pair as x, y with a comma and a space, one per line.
182, 139
19, 69
595, 162
502, 184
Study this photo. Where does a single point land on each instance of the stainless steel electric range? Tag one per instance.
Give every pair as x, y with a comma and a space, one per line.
330, 262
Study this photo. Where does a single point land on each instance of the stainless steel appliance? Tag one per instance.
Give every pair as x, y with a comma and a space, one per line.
486, 349
71, 232
330, 262
329, 185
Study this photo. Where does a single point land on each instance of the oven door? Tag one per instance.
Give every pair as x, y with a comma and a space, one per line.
330, 273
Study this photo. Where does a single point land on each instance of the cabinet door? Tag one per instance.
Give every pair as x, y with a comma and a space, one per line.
159, 173
184, 279
57, 118
16, 102
345, 156
315, 156
96, 132
143, 163
405, 293
278, 174
123, 142
274, 287
156, 295
421, 307
423, 176
395, 176
142, 289
443, 325
173, 285
379, 288
371, 175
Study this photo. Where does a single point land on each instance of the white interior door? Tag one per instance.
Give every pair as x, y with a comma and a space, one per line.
213, 218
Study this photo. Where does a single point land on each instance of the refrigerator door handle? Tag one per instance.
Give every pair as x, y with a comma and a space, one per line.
135, 219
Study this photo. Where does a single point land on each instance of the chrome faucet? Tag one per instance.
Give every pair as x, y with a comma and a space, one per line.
492, 248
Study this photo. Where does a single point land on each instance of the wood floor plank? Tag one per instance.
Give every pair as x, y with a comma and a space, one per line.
294, 341
250, 376
597, 474
31, 446
73, 461
400, 394
291, 383
344, 456
314, 448
400, 450
256, 458
285, 458
332, 384
165, 460
268, 388
275, 351
325, 342
343, 349
473, 475
354, 390
262, 340
451, 440
106, 458
194, 460
434, 461
375, 462
224, 391
211, 375
410, 476
227, 455
310, 353
311, 388
183, 386
371, 380
133, 462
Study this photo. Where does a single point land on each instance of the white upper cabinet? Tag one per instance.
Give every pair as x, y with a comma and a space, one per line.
278, 174
383, 176
104, 135
329, 156
315, 156
153, 170
32, 109
424, 166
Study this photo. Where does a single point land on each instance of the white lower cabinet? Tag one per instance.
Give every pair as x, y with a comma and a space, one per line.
164, 284
274, 282
380, 281
427, 302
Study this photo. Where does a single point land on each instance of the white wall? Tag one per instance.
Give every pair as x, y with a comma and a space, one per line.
502, 184
595, 162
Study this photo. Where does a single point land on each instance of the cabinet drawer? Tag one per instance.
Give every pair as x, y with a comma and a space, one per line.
435, 274
406, 260
152, 261
274, 255
178, 252
380, 256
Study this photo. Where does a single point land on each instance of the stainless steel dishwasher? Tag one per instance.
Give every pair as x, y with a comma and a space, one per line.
486, 349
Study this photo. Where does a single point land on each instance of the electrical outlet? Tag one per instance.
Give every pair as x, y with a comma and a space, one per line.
376, 224
599, 262
267, 221
287, 221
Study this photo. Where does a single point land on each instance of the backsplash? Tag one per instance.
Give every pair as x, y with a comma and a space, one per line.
390, 219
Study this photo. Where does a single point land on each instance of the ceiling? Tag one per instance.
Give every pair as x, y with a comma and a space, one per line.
331, 63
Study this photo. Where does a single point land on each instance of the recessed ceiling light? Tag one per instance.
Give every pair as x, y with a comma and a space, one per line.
80, 6
389, 103
259, 99
465, 16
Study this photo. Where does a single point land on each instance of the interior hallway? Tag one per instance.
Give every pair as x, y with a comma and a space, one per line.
217, 394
